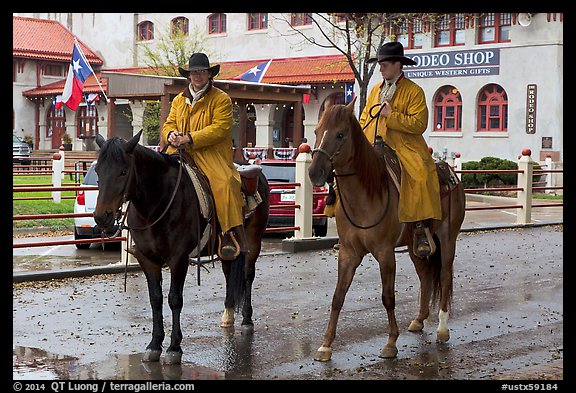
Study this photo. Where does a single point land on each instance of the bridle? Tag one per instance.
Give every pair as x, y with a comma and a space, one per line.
126, 198
336, 153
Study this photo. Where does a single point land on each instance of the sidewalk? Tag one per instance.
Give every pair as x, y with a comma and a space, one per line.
474, 220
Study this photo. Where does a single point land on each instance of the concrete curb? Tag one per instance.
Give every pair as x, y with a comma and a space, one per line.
46, 275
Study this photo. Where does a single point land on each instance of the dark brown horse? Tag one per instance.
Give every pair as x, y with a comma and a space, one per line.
167, 225
367, 222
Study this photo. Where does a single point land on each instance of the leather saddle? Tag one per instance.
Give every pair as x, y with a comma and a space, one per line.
249, 176
446, 176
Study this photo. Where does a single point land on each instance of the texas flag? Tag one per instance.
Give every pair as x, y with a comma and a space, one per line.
79, 71
349, 93
57, 101
255, 74
91, 98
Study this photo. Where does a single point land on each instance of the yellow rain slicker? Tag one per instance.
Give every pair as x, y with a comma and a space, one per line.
209, 122
403, 131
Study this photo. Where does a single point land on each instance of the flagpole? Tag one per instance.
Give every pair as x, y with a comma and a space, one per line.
91, 69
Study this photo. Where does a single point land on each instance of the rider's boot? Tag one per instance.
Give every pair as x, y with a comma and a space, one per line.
423, 244
240, 233
232, 243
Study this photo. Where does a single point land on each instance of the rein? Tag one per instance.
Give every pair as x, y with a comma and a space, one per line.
346, 212
331, 157
122, 225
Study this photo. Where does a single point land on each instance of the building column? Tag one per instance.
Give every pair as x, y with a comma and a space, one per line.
111, 113
298, 128
311, 120
103, 119
264, 126
137, 108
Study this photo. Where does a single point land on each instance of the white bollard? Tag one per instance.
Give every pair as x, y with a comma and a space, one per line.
61, 151
458, 165
303, 216
549, 180
57, 164
524, 198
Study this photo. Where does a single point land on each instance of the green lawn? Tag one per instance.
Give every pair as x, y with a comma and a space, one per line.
42, 206
67, 205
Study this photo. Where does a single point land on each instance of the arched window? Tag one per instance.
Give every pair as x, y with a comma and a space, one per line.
145, 31
447, 109
179, 25
217, 23
492, 109
87, 122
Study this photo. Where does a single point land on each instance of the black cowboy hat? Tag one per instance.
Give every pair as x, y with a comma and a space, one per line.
392, 51
199, 62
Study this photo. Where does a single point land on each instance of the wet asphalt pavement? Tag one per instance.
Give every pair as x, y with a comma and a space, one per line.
506, 321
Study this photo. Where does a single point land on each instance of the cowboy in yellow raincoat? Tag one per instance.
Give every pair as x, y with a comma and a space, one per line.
201, 119
401, 123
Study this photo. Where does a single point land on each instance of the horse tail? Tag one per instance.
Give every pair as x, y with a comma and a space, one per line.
435, 264
237, 282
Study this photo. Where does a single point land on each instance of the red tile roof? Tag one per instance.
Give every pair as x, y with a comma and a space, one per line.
289, 71
44, 39
295, 70
52, 89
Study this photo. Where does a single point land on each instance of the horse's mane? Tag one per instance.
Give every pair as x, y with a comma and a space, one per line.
368, 166
113, 150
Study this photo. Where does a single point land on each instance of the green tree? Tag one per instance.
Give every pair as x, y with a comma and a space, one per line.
151, 122
481, 180
170, 50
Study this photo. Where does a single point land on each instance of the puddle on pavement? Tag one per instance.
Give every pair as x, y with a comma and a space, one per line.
28, 263
37, 364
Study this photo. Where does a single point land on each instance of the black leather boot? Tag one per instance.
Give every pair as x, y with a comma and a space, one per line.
423, 244
229, 248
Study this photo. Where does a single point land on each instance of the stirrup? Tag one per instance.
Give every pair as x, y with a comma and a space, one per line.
228, 252
423, 244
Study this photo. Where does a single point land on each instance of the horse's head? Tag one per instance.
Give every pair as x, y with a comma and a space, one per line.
115, 170
333, 141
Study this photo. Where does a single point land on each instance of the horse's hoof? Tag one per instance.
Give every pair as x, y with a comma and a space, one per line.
247, 328
226, 324
227, 319
442, 336
323, 354
152, 355
388, 352
416, 326
173, 357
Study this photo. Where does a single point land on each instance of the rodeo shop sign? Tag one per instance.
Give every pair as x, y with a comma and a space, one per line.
454, 63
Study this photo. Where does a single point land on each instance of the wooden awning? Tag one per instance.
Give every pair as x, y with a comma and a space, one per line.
153, 87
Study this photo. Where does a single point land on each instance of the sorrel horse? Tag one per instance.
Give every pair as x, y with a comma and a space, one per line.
367, 222
166, 222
